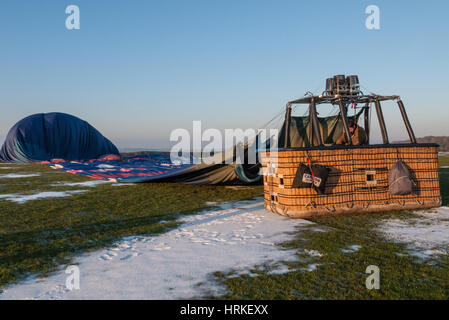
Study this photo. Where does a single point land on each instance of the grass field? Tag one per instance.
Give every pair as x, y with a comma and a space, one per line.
74, 216
444, 160
340, 272
38, 235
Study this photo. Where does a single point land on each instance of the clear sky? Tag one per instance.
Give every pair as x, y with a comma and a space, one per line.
138, 69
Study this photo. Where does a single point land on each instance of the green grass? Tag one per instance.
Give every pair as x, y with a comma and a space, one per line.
443, 160
39, 235
342, 275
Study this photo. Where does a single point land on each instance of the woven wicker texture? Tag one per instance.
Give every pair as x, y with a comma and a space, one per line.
358, 180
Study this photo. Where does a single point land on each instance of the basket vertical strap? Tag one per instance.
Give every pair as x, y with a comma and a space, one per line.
354, 105
270, 187
271, 175
310, 168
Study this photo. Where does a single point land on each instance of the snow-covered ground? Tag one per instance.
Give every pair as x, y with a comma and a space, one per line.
236, 236
426, 235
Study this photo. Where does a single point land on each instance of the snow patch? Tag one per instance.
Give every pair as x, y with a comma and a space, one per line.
282, 269
41, 195
311, 267
313, 253
426, 235
352, 248
235, 237
15, 176
3, 196
89, 184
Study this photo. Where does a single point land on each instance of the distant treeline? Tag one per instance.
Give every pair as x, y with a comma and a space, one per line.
442, 141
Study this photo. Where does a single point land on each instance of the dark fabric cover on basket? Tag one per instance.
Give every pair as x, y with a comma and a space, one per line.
331, 129
399, 180
303, 178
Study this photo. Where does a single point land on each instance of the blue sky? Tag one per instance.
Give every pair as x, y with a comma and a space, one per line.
138, 69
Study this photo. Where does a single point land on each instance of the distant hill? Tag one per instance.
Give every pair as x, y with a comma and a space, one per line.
442, 141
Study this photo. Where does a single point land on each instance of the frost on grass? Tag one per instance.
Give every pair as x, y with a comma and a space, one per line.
89, 184
40, 195
311, 267
17, 176
351, 249
426, 235
6, 196
180, 263
313, 253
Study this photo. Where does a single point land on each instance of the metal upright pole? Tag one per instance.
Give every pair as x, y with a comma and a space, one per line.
315, 123
288, 113
407, 122
366, 119
345, 121
381, 119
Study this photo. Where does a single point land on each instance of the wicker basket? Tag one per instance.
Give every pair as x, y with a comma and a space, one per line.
357, 182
